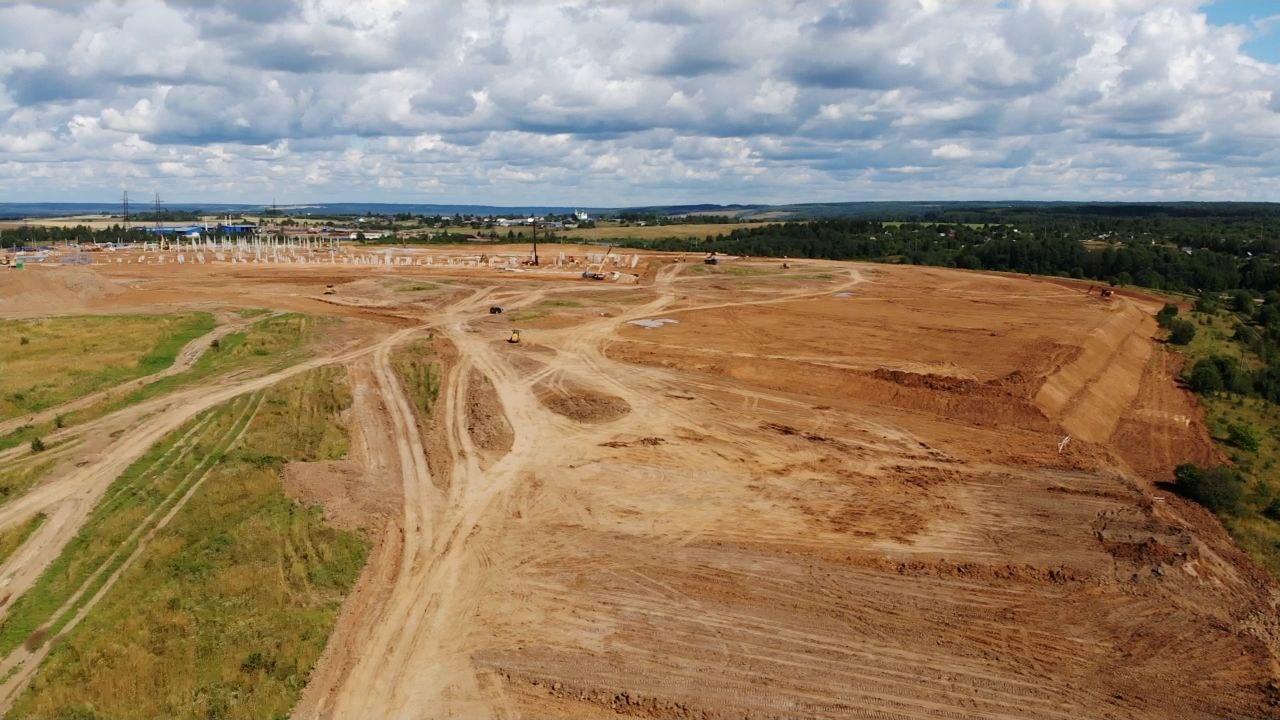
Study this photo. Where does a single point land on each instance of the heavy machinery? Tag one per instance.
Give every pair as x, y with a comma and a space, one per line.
515, 337
598, 273
711, 259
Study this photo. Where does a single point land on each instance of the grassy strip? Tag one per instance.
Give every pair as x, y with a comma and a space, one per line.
420, 373
163, 354
269, 343
52, 361
12, 538
231, 604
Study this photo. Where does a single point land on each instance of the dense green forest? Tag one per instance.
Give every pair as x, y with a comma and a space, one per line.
1181, 254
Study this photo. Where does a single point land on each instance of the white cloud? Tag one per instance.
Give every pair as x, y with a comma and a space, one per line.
952, 151
603, 104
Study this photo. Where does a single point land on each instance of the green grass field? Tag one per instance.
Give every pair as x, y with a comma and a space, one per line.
269, 343
229, 606
47, 362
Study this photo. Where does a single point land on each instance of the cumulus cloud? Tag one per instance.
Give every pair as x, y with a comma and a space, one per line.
610, 103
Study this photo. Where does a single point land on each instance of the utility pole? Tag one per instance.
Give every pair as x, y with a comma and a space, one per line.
535, 242
125, 202
159, 235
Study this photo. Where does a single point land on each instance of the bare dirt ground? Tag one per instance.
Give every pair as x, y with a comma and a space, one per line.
838, 491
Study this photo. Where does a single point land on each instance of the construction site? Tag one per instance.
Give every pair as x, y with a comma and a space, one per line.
598, 483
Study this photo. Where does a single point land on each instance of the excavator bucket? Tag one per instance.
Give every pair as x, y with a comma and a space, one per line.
515, 337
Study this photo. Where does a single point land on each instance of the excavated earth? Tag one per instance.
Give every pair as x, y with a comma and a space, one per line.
839, 490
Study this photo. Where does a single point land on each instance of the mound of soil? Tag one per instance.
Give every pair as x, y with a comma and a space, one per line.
59, 289
583, 404
486, 424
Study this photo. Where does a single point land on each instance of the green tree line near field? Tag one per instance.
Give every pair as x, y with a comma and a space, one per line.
1187, 256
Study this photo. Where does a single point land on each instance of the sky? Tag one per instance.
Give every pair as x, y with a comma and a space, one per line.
608, 104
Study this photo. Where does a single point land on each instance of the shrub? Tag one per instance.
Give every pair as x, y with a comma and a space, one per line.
1233, 375
23, 340
60, 421
1243, 437
1205, 377
1245, 335
1166, 315
1219, 488
1207, 304
1266, 382
1242, 302
1181, 332
37, 445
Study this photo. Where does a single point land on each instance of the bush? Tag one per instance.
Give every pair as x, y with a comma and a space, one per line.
23, 340
1220, 372
1205, 377
1266, 382
1166, 315
1245, 335
1181, 332
1242, 302
1243, 437
37, 445
1207, 304
1219, 488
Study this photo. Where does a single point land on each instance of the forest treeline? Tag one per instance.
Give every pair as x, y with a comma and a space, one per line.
1181, 254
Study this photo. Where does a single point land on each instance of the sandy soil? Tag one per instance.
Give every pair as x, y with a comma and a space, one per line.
837, 491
